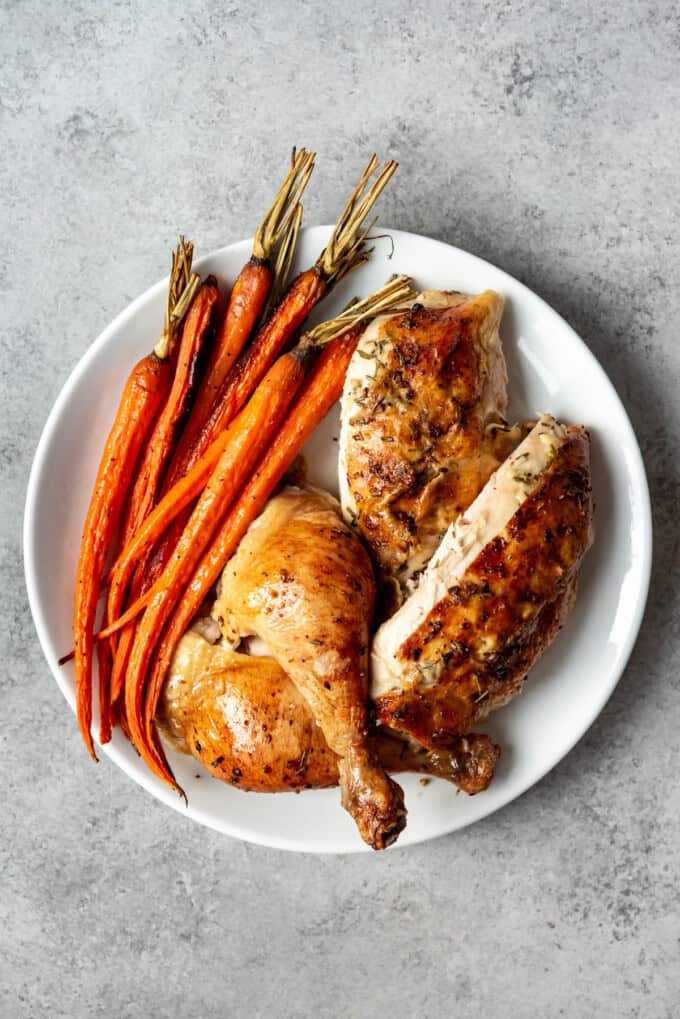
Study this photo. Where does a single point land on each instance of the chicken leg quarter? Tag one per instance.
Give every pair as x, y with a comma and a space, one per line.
302, 582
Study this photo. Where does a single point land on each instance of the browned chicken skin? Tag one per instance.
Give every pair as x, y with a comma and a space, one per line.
425, 467
302, 582
464, 642
249, 726
422, 424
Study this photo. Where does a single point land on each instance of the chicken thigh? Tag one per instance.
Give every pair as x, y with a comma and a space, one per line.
302, 581
422, 426
242, 717
494, 594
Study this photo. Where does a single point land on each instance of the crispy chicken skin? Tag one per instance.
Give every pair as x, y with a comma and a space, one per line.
241, 716
302, 581
423, 425
492, 598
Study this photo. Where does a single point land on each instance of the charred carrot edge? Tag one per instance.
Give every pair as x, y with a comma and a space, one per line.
316, 398
196, 335
104, 670
125, 637
144, 390
250, 434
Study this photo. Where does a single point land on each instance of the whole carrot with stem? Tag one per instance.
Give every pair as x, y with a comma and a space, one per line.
259, 281
159, 445
345, 252
144, 391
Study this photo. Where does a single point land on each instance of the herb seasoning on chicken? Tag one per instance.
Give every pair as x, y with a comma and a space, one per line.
494, 594
423, 425
302, 581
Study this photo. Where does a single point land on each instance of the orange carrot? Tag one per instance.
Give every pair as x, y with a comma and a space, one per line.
302, 295
197, 325
296, 305
196, 335
260, 279
104, 669
344, 252
258, 422
246, 301
142, 396
144, 391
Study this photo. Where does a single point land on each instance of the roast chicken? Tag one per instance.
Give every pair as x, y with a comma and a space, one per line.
302, 582
492, 598
477, 531
247, 723
422, 427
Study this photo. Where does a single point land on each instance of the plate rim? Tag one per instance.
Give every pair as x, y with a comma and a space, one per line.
165, 795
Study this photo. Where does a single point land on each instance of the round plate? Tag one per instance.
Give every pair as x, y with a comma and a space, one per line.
550, 369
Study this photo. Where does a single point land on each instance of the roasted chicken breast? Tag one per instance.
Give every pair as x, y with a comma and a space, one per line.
494, 594
302, 581
422, 425
247, 723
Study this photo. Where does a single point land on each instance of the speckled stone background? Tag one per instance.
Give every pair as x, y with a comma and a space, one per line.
543, 137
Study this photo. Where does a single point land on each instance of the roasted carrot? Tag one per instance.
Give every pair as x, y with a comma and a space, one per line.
260, 278
193, 349
180, 495
275, 242
300, 298
104, 666
196, 333
144, 391
344, 252
143, 394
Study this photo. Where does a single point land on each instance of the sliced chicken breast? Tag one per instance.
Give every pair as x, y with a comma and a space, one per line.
494, 594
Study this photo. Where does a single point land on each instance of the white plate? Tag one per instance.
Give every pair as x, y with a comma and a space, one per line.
550, 369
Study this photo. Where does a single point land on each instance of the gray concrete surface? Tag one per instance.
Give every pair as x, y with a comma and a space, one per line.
543, 137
